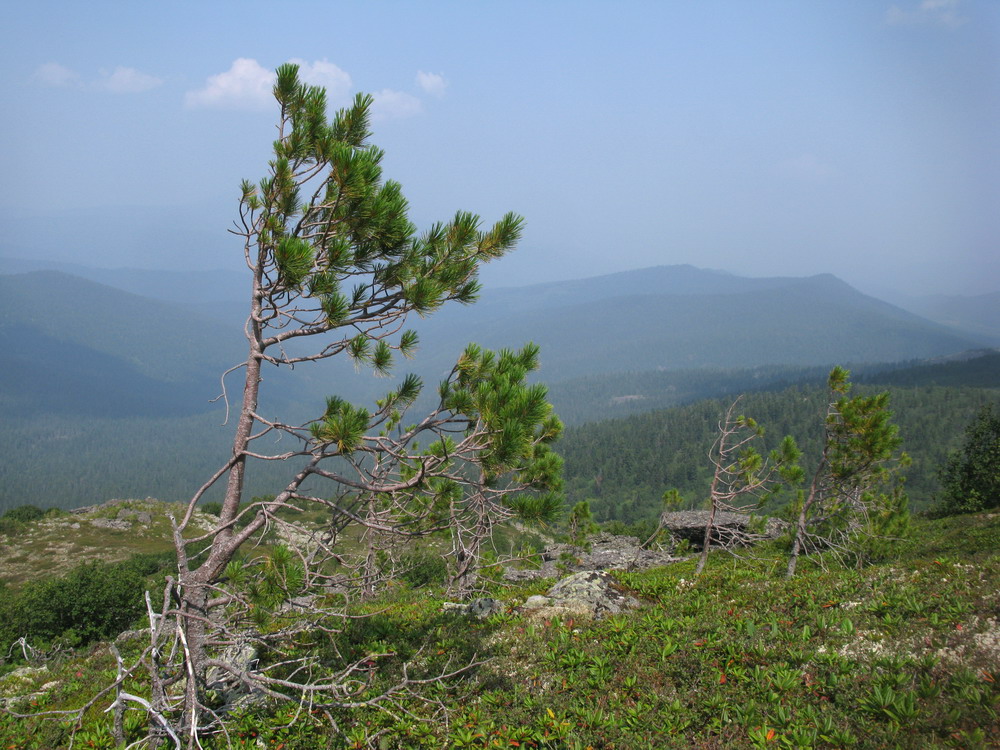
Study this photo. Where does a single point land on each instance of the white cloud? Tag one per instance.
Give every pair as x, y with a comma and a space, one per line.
431, 83
127, 81
246, 85
391, 104
324, 73
54, 74
940, 12
121, 80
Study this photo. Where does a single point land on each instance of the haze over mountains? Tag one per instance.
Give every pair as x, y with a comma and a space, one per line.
102, 339
85, 347
680, 317
979, 314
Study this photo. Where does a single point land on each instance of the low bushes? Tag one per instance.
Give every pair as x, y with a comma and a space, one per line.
92, 602
16, 520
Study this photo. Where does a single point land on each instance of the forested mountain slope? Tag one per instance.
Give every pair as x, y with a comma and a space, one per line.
668, 317
698, 319
975, 369
183, 287
73, 346
595, 398
623, 466
105, 393
76, 347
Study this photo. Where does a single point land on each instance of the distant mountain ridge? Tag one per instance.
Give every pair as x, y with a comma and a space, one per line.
181, 287
115, 322
662, 318
702, 319
75, 346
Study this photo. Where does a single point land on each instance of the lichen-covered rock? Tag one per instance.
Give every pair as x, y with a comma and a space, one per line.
242, 655
129, 516
587, 594
16, 687
605, 552
111, 523
479, 608
536, 601
19, 678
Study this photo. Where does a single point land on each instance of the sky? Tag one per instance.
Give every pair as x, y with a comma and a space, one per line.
857, 137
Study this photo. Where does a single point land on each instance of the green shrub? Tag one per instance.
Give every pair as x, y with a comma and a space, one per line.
581, 523
24, 513
92, 602
15, 521
423, 567
148, 563
10, 527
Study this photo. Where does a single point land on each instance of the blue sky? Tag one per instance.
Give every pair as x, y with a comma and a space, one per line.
860, 138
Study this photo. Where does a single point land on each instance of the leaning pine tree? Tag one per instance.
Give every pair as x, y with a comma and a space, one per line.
854, 496
335, 261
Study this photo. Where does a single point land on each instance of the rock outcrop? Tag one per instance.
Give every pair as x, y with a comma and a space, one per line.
690, 525
478, 608
590, 594
605, 552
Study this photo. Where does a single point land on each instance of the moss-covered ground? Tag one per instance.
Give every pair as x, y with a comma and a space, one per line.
902, 654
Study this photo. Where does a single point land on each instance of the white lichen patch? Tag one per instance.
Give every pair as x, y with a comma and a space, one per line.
976, 644
867, 645
15, 682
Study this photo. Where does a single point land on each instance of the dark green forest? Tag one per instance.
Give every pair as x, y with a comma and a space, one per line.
53, 462
624, 466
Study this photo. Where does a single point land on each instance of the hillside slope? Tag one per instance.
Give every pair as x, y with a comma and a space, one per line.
978, 314
130, 378
684, 318
901, 652
75, 346
623, 466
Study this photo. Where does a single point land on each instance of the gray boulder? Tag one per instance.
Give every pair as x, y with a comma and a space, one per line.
589, 594
111, 523
478, 608
606, 552
129, 516
242, 655
690, 525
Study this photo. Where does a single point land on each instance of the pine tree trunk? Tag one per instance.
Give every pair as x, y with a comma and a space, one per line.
709, 528
797, 543
194, 606
195, 587
713, 494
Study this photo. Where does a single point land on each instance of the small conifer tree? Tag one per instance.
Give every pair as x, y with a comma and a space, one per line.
742, 478
581, 523
971, 477
854, 489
